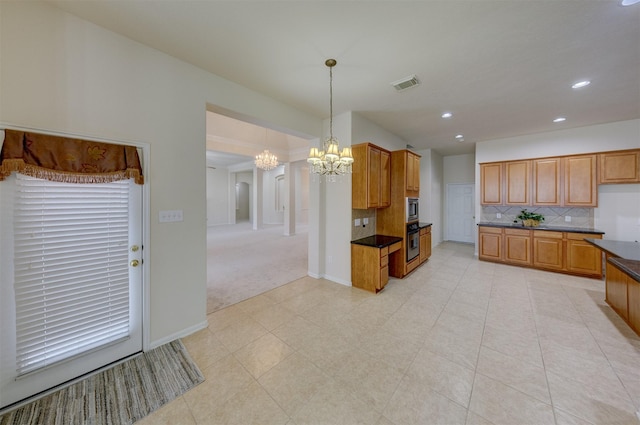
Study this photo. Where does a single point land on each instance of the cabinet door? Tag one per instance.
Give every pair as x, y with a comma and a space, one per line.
517, 183
616, 290
412, 172
416, 172
546, 181
490, 244
547, 250
373, 179
491, 184
580, 183
619, 167
582, 257
385, 179
517, 246
633, 304
423, 246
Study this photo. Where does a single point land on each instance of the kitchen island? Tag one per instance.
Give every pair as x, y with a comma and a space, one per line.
622, 278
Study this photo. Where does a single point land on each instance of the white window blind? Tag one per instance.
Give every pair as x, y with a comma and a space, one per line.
71, 269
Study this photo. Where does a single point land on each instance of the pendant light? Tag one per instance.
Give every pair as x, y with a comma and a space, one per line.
330, 162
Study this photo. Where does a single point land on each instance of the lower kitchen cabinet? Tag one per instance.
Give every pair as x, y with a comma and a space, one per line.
548, 250
370, 266
425, 244
552, 250
517, 246
490, 243
582, 257
616, 290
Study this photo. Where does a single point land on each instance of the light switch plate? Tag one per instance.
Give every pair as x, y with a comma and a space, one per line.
365, 221
498, 215
170, 216
567, 218
356, 222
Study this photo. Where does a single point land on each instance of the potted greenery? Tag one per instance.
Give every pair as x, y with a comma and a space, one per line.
529, 218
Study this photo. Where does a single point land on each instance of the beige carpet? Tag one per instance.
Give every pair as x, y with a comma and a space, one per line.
243, 263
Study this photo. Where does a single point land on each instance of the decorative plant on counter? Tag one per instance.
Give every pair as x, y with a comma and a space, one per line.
529, 218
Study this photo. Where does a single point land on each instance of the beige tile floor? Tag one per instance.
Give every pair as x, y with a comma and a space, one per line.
459, 341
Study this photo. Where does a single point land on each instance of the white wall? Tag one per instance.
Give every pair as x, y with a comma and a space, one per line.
217, 196
63, 74
459, 169
363, 130
618, 208
432, 193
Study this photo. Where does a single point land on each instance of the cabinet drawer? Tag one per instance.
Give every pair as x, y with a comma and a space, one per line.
496, 230
395, 247
517, 232
582, 236
547, 234
384, 261
384, 251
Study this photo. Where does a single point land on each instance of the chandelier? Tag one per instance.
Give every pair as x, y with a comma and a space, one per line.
331, 161
266, 160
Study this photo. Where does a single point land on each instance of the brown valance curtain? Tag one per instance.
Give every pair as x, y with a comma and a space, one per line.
67, 160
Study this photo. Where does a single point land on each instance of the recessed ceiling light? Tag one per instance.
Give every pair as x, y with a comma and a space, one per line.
581, 84
559, 119
628, 2
459, 136
447, 115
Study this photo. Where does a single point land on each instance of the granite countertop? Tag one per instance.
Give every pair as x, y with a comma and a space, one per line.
625, 255
423, 225
622, 249
549, 228
377, 241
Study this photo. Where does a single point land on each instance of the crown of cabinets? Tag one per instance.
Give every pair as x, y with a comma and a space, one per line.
371, 180
569, 181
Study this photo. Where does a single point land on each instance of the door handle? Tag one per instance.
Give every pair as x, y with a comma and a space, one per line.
134, 263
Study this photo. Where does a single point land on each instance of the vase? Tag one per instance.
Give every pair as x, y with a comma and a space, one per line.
530, 222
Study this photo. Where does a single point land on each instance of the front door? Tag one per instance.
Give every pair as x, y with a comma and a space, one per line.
70, 281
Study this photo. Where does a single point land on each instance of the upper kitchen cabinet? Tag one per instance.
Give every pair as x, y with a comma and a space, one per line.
491, 177
413, 172
518, 184
405, 166
546, 181
619, 167
580, 181
371, 180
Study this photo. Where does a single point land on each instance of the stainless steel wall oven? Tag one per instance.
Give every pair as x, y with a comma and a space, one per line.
413, 241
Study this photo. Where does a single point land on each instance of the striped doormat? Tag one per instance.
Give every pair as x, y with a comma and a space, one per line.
119, 395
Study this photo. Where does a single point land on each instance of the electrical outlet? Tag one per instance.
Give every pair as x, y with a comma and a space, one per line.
567, 218
356, 222
498, 215
365, 221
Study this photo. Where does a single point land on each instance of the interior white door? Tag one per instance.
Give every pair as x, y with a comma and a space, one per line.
460, 213
80, 294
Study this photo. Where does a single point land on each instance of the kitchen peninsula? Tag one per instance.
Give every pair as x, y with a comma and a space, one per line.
622, 279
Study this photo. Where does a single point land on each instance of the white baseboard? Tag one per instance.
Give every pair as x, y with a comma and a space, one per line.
179, 334
331, 278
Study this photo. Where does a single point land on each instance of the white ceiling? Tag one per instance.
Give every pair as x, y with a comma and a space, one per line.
503, 68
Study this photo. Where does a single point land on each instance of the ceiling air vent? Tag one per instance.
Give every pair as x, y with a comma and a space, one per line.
406, 83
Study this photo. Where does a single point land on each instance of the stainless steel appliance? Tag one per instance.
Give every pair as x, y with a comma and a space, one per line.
413, 241
412, 210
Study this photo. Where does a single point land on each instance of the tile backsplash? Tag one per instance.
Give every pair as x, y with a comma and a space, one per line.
359, 232
553, 216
